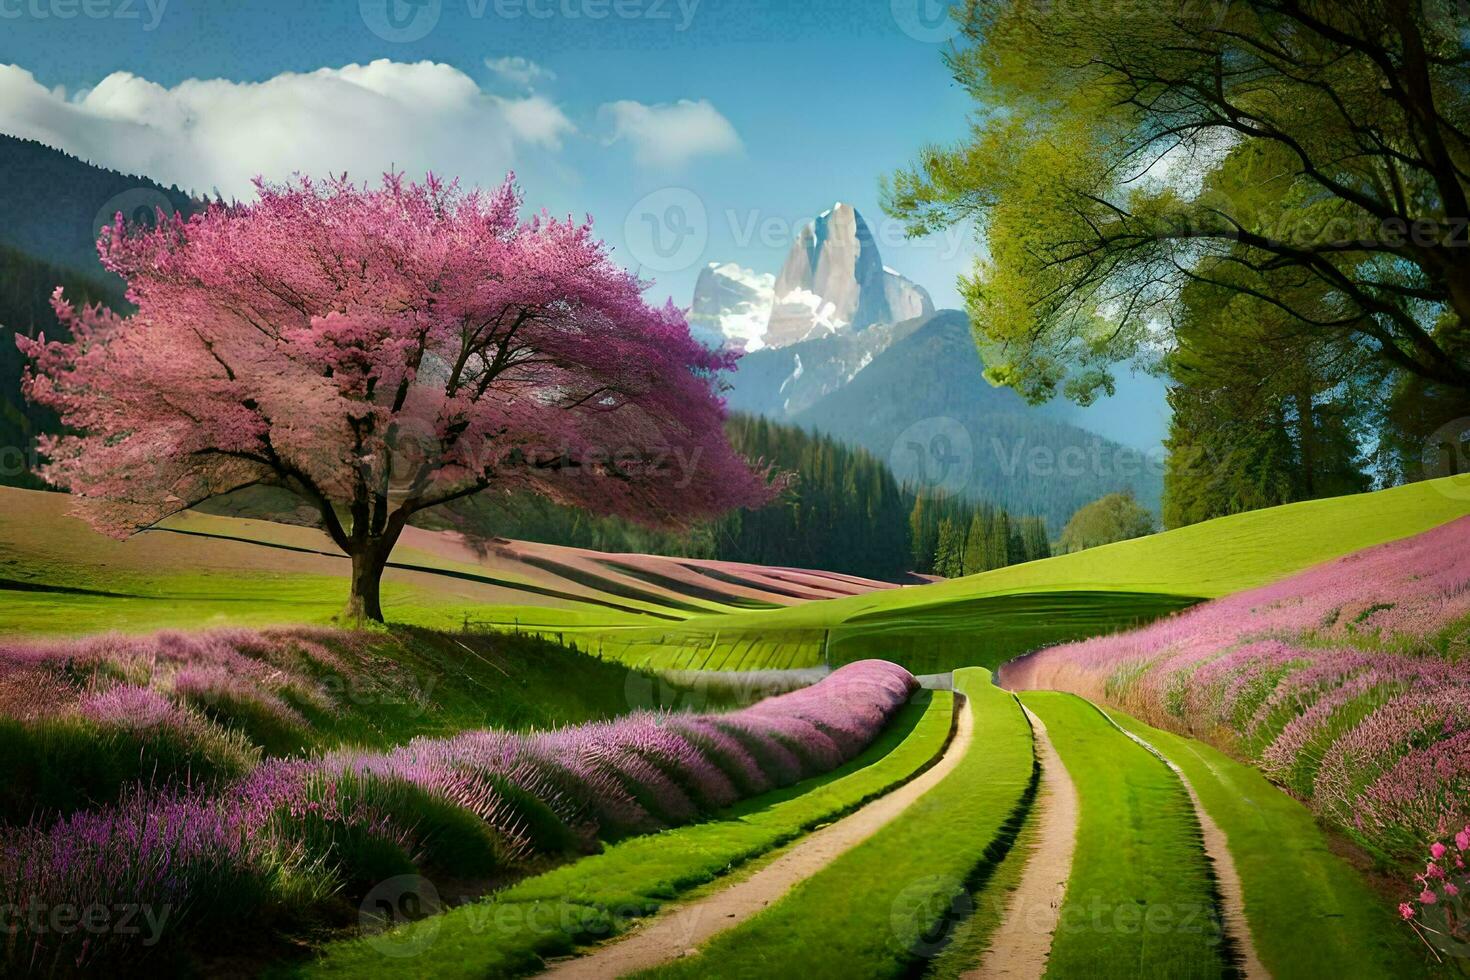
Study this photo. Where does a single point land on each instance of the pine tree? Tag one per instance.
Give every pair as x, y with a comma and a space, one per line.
922, 550
1033, 535
947, 553
998, 542
975, 545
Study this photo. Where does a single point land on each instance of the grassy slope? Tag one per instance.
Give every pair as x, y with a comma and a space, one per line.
1309, 912
913, 876
1010, 611
1141, 899
1162, 571
57, 575
512, 932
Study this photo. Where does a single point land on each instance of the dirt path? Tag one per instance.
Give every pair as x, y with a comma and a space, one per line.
682, 928
1232, 895
1022, 943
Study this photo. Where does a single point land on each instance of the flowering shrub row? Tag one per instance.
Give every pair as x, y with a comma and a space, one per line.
293, 833
272, 672
1348, 684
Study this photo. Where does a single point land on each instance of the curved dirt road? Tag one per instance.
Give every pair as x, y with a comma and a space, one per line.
1022, 943
682, 928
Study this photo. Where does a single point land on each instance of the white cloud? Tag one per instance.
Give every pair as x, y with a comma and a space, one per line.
519, 71
536, 119
363, 119
670, 135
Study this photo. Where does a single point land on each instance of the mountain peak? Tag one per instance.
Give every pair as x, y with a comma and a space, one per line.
833, 281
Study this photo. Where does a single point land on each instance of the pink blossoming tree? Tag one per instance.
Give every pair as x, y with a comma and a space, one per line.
381, 352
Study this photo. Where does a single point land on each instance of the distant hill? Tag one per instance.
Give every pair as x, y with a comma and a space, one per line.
53, 203
912, 394
51, 208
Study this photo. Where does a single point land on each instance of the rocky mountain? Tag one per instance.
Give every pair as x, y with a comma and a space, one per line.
732, 305
839, 343
922, 405
833, 282
782, 382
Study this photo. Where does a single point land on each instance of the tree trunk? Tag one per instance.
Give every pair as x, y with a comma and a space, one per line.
367, 581
1307, 439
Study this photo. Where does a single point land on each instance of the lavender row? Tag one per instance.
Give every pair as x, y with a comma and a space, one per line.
296, 835
1348, 684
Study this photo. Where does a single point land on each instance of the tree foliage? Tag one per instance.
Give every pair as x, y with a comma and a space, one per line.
954, 536
1263, 413
381, 352
1116, 517
1313, 155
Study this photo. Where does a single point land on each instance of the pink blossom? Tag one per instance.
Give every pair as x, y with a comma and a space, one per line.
383, 350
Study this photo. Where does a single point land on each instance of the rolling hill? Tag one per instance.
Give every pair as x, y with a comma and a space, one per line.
58, 576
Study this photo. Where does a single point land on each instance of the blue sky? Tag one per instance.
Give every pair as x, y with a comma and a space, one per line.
784, 107
693, 131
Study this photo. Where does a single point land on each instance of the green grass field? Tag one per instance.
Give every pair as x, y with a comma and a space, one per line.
1141, 900
1310, 913
600, 896
57, 576
913, 876
987, 618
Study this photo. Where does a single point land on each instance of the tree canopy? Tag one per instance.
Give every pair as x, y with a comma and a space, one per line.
1116, 517
1312, 157
380, 352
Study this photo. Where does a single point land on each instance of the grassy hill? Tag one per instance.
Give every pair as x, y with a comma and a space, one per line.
196, 570
985, 619
57, 576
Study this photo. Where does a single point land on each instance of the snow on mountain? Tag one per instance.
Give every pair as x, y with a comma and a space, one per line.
732, 306
832, 282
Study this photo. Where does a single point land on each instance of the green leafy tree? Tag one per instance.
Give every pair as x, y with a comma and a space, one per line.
1034, 538
1264, 413
1311, 154
1116, 517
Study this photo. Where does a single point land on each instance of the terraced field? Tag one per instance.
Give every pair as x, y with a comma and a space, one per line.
515, 931
984, 832
56, 574
1181, 863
